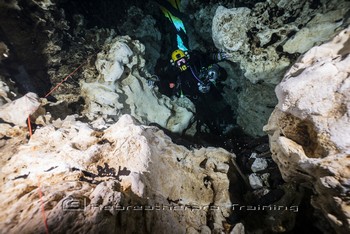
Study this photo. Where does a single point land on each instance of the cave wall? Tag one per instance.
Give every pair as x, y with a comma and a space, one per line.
309, 128
23, 32
256, 66
264, 38
263, 45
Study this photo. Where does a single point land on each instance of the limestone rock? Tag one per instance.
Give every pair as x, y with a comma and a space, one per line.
111, 65
318, 30
127, 178
230, 27
256, 38
309, 129
259, 164
121, 88
238, 229
18, 111
265, 40
255, 181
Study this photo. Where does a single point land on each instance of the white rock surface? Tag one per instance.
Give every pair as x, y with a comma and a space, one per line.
111, 65
238, 229
309, 129
265, 40
121, 89
18, 111
90, 176
254, 36
255, 181
259, 164
319, 29
229, 27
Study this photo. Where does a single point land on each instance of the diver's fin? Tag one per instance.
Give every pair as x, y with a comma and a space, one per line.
172, 7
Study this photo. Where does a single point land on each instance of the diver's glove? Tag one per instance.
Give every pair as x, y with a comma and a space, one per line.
203, 88
221, 55
151, 82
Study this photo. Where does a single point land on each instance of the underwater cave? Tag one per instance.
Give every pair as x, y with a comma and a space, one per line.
189, 99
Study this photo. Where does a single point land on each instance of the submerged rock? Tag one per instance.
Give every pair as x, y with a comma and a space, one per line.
259, 164
108, 177
18, 111
121, 88
128, 178
265, 40
309, 129
255, 181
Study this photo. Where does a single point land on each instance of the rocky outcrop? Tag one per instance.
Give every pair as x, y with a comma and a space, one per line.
17, 111
128, 178
101, 74
265, 41
309, 129
121, 88
259, 38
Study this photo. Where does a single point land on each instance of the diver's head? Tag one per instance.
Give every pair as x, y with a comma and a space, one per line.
179, 59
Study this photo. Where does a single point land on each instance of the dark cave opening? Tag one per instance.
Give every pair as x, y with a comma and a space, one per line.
27, 70
106, 14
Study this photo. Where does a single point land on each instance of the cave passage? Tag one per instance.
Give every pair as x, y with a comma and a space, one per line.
194, 74
215, 119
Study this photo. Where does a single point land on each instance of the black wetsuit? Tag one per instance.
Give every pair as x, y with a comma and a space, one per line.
186, 82
211, 108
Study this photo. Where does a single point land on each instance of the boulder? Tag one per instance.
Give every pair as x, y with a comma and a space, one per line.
121, 88
129, 178
309, 129
18, 111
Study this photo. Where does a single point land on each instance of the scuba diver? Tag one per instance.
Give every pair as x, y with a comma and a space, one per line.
192, 74
198, 77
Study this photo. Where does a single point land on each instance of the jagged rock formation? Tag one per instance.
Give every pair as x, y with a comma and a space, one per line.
309, 129
4, 89
265, 40
108, 166
17, 112
90, 176
276, 32
258, 37
69, 46
121, 88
